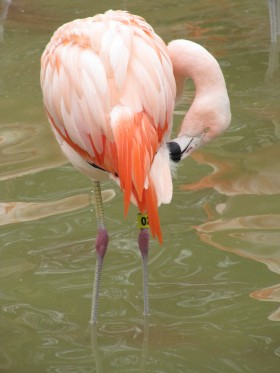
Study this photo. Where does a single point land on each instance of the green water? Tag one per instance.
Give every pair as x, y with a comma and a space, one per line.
214, 283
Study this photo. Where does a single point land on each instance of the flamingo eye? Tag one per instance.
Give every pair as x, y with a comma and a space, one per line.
207, 129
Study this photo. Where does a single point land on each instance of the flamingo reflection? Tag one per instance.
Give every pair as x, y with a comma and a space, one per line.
274, 17
251, 181
4, 8
247, 223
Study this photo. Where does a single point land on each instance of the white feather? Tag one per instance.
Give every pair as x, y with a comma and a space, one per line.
161, 175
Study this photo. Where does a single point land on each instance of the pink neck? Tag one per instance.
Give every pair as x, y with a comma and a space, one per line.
190, 60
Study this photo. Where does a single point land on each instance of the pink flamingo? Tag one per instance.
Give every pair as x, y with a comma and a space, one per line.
109, 85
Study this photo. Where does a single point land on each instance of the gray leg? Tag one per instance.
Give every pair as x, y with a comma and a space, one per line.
101, 244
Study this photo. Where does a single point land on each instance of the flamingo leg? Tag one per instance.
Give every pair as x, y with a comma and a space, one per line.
143, 243
101, 244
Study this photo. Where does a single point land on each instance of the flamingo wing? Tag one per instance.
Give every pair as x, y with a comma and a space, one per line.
109, 92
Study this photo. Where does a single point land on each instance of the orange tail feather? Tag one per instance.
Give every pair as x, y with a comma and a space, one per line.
136, 142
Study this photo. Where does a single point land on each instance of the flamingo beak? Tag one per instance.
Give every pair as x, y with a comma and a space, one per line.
183, 146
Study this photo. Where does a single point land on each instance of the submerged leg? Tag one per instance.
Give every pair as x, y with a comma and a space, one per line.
143, 242
101, 244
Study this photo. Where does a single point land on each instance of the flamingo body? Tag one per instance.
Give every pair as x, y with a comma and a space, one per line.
109, 86
109, 89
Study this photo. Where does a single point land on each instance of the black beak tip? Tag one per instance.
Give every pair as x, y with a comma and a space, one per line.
175, 152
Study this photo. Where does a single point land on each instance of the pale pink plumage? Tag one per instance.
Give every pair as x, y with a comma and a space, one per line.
109, 92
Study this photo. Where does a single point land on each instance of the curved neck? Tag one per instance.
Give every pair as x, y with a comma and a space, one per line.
210, 109
191, 60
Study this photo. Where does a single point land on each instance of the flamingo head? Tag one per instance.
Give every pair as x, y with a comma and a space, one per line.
183, 146
207, 118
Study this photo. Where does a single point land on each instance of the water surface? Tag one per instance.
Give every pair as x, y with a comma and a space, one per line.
214, 283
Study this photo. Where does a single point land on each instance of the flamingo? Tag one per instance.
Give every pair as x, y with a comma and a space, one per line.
109, 86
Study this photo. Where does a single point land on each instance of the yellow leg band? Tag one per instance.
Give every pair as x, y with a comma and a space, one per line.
142, 220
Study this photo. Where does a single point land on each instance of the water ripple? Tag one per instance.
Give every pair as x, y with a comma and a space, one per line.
24, 149
43, 320
15, 212
74, 354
